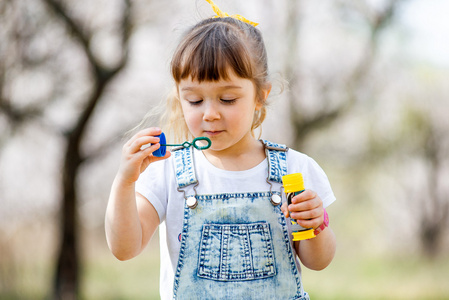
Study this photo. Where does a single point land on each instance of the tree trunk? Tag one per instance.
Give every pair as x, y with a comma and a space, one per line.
66, 282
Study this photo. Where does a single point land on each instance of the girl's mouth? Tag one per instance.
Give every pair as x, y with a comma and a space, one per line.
213, 133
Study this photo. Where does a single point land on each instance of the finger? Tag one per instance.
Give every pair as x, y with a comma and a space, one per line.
149, 159
304, 196
308, 205
151, 131
312, 223
308, 214
148, 151
144, 142
146, 158
157, 158
285, 210
137, 144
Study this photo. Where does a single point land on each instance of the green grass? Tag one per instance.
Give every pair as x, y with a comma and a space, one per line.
380, 278
105, 277
108, 278
375, 277
356, 275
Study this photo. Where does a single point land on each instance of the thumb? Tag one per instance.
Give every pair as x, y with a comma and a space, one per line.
285, 210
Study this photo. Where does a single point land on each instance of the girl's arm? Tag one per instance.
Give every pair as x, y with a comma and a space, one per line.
131, 219
307, 209
317, 253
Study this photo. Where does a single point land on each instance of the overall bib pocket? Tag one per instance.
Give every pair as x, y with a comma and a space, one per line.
236, 252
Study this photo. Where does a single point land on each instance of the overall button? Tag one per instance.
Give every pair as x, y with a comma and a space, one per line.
191, 202
276, 199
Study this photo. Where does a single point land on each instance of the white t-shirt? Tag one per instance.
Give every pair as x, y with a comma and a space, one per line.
158, 184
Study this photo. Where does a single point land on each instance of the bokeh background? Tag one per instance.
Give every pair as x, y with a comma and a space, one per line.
367, 97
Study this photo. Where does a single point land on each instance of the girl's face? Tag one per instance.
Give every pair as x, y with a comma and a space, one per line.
220, 110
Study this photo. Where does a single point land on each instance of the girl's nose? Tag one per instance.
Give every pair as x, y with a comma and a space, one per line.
211, 112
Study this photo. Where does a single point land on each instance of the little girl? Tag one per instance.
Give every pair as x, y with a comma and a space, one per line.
223, 234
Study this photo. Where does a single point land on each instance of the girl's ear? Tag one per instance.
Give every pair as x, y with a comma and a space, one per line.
264, 95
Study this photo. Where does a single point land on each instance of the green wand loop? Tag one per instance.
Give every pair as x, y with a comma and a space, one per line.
196, 143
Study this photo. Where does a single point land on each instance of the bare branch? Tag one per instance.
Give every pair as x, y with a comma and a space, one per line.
102, 74
305, 125
73, 27
126, 34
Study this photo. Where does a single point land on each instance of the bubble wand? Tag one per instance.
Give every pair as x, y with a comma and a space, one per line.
163, 149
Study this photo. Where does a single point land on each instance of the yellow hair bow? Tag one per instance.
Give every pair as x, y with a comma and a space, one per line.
221, 14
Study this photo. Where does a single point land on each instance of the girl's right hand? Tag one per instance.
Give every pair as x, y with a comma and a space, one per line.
134, 160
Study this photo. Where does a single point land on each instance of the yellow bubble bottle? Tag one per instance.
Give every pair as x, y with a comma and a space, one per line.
294, 185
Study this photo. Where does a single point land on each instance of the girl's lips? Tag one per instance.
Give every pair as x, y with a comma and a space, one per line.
213, 133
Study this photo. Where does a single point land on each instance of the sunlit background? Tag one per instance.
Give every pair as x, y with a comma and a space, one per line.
367, 97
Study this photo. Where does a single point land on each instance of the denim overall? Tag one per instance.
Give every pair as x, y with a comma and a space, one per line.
235, 245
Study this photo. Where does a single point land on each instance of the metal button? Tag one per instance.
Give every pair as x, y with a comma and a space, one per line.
191, 202
276, 199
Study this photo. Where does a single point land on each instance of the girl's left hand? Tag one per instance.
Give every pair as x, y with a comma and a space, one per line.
306, 208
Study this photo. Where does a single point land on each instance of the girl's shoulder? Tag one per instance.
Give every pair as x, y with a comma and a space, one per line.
293, 157
301, 161
297, 155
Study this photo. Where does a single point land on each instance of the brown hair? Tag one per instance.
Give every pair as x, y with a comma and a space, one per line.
207, 52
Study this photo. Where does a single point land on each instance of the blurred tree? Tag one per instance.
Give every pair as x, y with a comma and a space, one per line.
331, 107
413, 156
425, 139
38, 39
339, 95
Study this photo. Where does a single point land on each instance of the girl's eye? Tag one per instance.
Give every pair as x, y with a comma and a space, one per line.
228, 101
195, 102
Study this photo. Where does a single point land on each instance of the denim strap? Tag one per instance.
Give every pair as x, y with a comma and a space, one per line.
277, 160
184, 169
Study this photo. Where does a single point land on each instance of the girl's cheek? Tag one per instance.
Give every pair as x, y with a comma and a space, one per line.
193, 121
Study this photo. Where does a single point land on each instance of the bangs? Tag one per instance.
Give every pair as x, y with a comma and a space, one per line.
211, 51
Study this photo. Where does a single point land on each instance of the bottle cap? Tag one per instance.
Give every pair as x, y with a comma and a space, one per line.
161, 151
303, 235
293, 183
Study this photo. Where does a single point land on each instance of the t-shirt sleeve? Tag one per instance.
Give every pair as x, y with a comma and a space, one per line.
152, 185
315, 178
317, 181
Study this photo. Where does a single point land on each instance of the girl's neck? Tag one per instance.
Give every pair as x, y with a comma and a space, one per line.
240, 160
